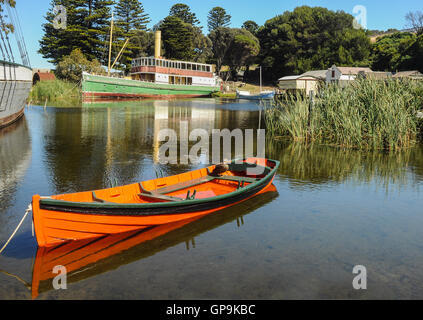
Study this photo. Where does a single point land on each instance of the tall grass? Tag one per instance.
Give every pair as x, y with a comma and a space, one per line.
366, 114
56, 92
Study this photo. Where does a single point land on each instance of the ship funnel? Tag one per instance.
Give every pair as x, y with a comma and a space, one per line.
158, 44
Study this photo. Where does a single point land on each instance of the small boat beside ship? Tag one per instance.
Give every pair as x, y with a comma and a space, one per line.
264, 95
93, 214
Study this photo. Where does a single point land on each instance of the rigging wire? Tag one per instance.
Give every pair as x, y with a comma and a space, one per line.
14, 18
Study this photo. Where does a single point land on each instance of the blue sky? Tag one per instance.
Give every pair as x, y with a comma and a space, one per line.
381, 14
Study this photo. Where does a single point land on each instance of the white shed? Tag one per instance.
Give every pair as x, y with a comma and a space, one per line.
343, 75
309, 81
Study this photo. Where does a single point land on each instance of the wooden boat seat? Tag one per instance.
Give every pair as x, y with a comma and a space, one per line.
236, 179
192, 183
156, 196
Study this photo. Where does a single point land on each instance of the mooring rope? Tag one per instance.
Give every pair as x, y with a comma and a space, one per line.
17, 228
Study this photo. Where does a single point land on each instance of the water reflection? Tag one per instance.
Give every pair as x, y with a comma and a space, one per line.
89, 258
117, 143
316, 166
15, 157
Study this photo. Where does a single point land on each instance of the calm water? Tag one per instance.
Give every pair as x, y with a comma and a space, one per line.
333, 210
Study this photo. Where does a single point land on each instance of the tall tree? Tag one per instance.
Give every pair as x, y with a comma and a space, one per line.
233, 47
311, 39
221, 40
218, 18
130, 15
58, 42
86, 28
201, 44
130, 18
177, 38
183, 12
243, 47
97, 21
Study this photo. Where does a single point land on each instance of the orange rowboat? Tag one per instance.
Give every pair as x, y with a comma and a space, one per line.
91, 257
98, 213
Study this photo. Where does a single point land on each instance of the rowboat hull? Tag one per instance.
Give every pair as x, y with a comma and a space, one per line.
79, 216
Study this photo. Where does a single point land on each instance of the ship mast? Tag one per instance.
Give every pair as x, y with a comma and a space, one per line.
110, 46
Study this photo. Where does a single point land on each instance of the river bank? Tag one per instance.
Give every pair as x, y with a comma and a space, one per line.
64, 93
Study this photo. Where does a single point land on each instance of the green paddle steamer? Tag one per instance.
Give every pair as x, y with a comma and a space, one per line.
154, 77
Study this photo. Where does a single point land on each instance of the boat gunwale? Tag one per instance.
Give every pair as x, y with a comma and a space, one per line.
185, 203
16, 65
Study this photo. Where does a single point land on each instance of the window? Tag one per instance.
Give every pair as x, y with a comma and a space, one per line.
333, 74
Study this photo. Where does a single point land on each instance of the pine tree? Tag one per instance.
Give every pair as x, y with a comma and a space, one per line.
130, 20
218, 18
177, 39
97, 21
183, 12
130, 15
86, 28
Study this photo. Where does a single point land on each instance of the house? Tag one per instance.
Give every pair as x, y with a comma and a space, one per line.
343, 75
306, 82
414, 75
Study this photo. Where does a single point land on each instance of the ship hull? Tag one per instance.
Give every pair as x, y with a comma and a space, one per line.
15, 85
101, 87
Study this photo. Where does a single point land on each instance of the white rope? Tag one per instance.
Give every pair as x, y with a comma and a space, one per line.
17, 228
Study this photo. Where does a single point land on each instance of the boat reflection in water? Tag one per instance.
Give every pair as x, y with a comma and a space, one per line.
15, 158
88, 258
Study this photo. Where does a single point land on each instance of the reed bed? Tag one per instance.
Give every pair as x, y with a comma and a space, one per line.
365, 114
57, 92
